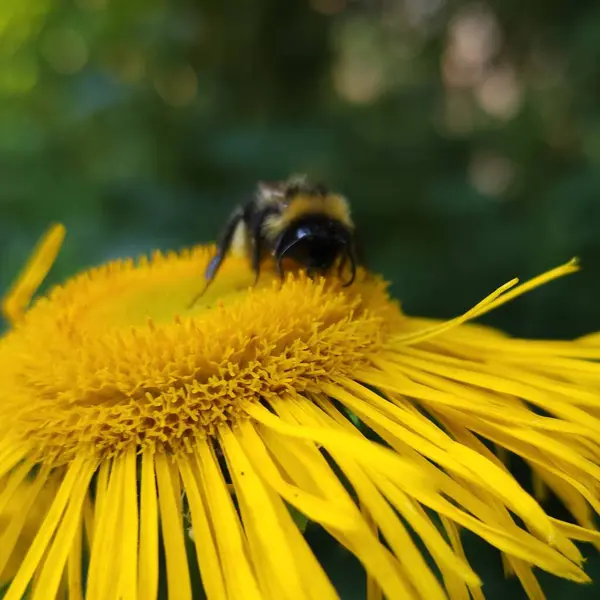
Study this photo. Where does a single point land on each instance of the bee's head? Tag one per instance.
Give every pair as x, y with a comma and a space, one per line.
315, 242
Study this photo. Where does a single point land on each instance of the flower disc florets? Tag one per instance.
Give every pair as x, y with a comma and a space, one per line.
117, 358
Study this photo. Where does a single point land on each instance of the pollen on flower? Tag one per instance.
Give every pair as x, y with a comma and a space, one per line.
114, 359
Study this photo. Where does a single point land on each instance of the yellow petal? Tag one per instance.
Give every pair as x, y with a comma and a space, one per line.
129, 532
13, 483
376, 456
239, 576
46, 531
75, 565
42, 259
104, 566
54, 563
148, 551
323, 511
18, 519
178, 576
206, 548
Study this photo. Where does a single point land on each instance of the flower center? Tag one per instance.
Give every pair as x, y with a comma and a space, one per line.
117, 357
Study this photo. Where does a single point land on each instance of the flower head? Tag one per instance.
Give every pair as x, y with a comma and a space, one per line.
145, 418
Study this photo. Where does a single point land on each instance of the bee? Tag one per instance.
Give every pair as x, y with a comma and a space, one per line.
293, 219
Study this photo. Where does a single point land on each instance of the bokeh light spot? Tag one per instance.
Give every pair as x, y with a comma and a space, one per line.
126, 63
328, 7
178, 86
500, 94
359, 75
65, 50
491, 174
419, 12
18, 76
474, 39
20, 21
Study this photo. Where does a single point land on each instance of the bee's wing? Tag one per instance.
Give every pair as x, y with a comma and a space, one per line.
269, 193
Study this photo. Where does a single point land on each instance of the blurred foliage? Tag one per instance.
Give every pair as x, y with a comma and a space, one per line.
466, 134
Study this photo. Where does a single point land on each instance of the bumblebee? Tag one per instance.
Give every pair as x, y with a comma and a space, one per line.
293, 219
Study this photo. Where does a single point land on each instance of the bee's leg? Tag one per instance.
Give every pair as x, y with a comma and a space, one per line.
213, 266
280, 267
256, 256
351, 254
258, 242
342, 265
223, 245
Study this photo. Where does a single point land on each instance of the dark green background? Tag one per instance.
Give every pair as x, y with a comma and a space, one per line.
466, 135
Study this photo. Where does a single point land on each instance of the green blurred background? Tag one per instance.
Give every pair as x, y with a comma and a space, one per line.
466, 135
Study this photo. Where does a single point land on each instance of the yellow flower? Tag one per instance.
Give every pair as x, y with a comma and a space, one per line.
147, 419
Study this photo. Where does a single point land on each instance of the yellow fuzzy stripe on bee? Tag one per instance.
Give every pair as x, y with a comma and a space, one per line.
332, 205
